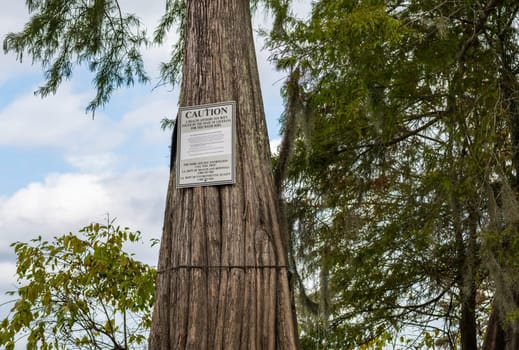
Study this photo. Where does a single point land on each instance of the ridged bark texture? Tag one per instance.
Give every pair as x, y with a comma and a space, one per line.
222, 273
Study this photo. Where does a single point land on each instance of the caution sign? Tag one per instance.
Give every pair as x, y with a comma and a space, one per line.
206, 145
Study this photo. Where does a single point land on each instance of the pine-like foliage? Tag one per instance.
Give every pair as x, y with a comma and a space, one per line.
97, 34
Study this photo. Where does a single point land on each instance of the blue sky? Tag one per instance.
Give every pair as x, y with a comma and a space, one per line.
61, 170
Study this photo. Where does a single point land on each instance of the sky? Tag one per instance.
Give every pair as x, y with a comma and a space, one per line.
61, 170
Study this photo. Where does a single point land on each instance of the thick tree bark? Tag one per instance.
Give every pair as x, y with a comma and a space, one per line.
222, 273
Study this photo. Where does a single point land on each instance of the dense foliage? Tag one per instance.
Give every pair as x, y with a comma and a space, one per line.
400, 168
80, 292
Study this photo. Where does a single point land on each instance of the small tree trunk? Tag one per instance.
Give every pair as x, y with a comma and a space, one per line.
222, 273
468, 326
467, 262
324, 291
495, 335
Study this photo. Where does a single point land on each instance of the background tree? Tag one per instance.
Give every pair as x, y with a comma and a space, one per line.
80, 292
397, 135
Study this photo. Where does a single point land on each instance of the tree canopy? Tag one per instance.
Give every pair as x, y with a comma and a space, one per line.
399, 167
80, 291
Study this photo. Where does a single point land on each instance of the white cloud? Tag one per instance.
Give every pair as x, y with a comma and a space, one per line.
52, 206
12, 17
274, 146
57, 122
102, 163
67, 202
149, 112
11, 14
7, 275
8, 282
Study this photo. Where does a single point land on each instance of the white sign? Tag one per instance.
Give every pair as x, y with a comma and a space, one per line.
205, 145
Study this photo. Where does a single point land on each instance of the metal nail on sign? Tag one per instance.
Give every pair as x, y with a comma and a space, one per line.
206, 145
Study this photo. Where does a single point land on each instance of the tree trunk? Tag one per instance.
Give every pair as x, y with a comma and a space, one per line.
468, 325
466, 273
222, 274
495, 335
